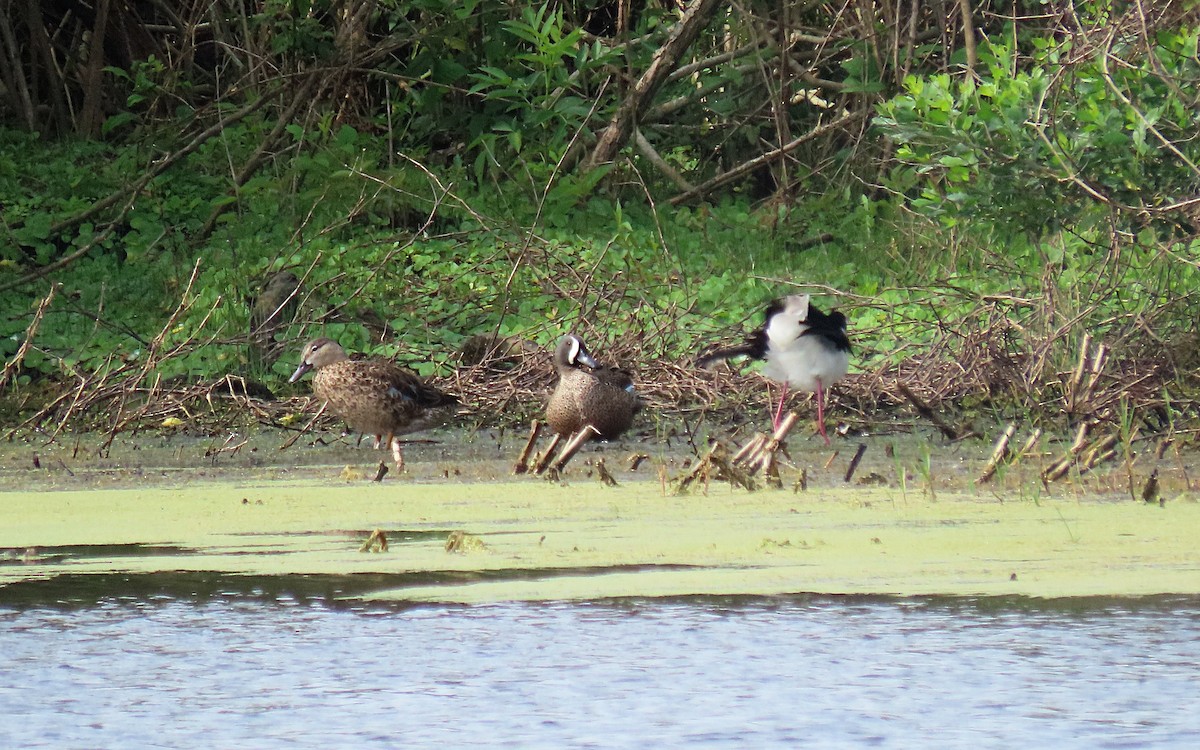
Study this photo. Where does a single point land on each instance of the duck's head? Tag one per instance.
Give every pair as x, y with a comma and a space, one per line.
316, 354
571, 353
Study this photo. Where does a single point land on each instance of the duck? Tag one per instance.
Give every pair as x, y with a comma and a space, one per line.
801, 346
601, 396
374, 396
272, 311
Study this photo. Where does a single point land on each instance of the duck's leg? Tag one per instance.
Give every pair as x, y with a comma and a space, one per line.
779, 411
397, 454
378, 441
821, 411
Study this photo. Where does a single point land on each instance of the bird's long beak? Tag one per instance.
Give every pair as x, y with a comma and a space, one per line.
299, 373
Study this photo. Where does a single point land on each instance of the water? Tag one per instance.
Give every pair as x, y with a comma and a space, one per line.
262, 668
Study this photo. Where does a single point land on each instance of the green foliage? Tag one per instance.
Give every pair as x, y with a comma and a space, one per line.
1039, 147
536, 92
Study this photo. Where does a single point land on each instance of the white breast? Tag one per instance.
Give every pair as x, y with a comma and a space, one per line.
804, 361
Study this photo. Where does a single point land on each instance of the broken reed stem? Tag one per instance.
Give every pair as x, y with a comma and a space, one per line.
1098, 363
749, 448
1059, 468
522, 464
543, 460
11, 367
758, 459
1081, 366
1098, 452
1090, 366
771, 472
1029, 443
571, 448
380, 473
858, 454
700, 467
604, 474
999, 453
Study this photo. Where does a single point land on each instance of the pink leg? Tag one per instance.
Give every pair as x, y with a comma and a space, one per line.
779, 411
821, 412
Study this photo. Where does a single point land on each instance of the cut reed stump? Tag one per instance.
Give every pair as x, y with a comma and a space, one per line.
522, 464
543, 461
716, 464
1000, 454
858, 454
571, 448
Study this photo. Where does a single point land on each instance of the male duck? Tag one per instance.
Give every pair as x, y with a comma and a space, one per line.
602, 397
801, 346
374, 396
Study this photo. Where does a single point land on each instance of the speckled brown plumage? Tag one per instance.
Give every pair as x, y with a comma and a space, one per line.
374, 396
600, 396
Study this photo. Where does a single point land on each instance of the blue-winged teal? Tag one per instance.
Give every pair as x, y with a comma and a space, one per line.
801, 347
600, 396
374, 396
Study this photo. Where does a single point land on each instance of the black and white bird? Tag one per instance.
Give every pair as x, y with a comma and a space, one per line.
801, 347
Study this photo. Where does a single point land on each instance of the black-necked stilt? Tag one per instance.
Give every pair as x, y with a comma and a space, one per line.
801, 346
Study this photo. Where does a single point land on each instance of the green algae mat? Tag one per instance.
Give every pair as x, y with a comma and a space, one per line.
533, 540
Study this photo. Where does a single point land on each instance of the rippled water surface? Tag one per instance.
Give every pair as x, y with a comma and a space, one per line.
238, 671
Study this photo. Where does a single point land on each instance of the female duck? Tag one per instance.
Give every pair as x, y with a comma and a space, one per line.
374, 396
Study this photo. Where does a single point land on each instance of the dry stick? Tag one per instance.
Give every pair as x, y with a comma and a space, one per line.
300, 97
928, 413
999, 453
647, 150
685, 31
288, 443
544, 461
832, 457
30, 332
152, 360
964, 7
48, 409
573, 447
748, 167
522, 464
858, 454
